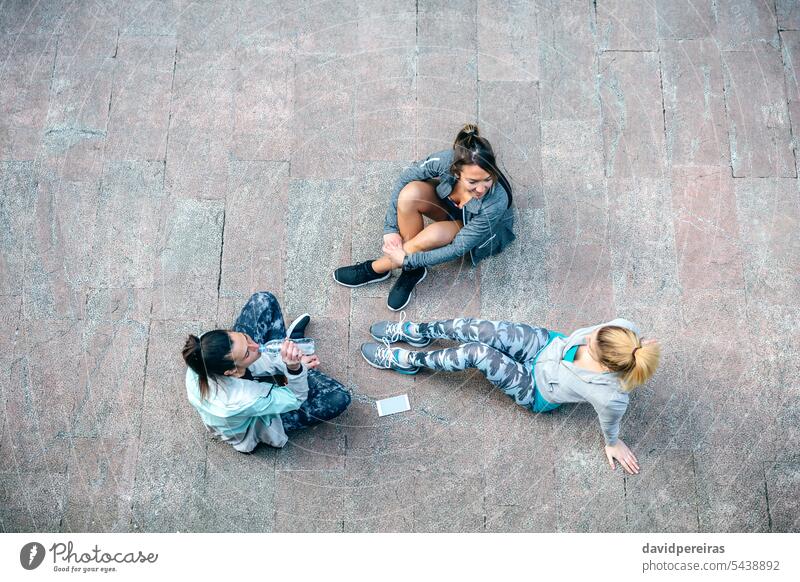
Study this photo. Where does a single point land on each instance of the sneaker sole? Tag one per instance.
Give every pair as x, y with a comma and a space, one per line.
415, 345
291, 327
410, 372
410, 295
386, 276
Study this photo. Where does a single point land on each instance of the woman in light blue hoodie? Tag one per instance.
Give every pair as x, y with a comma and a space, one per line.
540, 369
246, 397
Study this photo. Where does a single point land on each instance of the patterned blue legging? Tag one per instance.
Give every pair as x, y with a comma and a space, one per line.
502, 350
262, 319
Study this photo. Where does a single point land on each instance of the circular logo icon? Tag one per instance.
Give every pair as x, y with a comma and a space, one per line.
31, 555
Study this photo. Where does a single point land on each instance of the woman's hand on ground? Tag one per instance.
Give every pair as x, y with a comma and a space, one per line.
623, 454
291, 354
311, 361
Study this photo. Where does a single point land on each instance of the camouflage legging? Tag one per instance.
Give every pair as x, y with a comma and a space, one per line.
262, 319
502, 350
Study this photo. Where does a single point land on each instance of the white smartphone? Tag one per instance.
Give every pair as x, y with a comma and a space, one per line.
393, 405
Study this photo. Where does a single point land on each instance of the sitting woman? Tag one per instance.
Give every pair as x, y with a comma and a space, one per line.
540, 369
246, 397
468, 198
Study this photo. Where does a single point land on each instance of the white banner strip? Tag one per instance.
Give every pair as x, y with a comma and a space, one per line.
441, 557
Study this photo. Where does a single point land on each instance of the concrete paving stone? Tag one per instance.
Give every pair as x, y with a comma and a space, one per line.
370, 199
319, 448
126, 236
642, 241
567, 61
18, 193
385, 24
790, 44
378, 498
633, 128
309, 501
187, 274
197, 163
31, 501
450, 290
317, 209
366, 380
253, 250
571, 149
783, 490
24, 93
129, 304
326, 27
520, 266
88, 29
263, 104
519, 460
240, 489
112, 377
743, 24
758, 118
259, 24
207, 34
26, 18
685, 19
663, 496
446, 503
385, 120
707, 243
203, 100
60, 240
691, 74
510, 119
76, 155
788, 14
576, 211
451, 397
362, 427
731, 492
447, 73
323, 140
768, 214
100, 485
626, 25
80, 94
139, 112
507, 51
589, 496
171, 466
331, 341
157, 18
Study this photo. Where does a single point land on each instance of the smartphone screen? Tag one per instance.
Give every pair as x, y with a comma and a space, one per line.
393, 405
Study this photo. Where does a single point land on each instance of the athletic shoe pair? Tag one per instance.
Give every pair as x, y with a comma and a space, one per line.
382, 355
362, 274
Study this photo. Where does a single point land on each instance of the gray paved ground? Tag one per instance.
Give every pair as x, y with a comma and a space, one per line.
161, 160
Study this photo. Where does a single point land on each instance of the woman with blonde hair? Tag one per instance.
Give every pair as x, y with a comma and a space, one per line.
469, 200
540, 369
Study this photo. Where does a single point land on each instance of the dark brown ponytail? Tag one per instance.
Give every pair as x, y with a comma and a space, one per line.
472, 149
208, 355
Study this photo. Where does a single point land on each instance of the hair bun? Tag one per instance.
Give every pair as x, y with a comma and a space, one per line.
467, 133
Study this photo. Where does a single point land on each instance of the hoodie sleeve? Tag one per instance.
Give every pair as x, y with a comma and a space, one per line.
610, 417
434, 166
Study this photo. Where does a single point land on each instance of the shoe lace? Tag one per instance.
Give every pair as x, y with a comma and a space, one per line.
384, 356
394, 331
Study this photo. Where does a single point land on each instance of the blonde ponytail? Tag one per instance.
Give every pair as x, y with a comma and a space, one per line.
622, 351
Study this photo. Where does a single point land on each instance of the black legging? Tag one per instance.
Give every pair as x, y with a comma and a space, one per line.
262, 319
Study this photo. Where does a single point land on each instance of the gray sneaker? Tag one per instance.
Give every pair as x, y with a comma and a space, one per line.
397, 331
383, 357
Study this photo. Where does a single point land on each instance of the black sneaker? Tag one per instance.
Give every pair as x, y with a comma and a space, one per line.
358, 275
297, 329
400, 294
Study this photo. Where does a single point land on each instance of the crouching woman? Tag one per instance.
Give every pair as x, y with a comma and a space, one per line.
246, 397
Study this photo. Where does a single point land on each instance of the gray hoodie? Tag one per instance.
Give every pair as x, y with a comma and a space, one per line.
561, 382
488, 222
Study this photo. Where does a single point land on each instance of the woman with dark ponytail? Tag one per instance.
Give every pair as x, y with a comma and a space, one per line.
245, 396
466, 195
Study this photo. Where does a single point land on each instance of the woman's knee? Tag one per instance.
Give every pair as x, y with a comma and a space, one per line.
412, 195
474, 352
336, 402
263, 297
